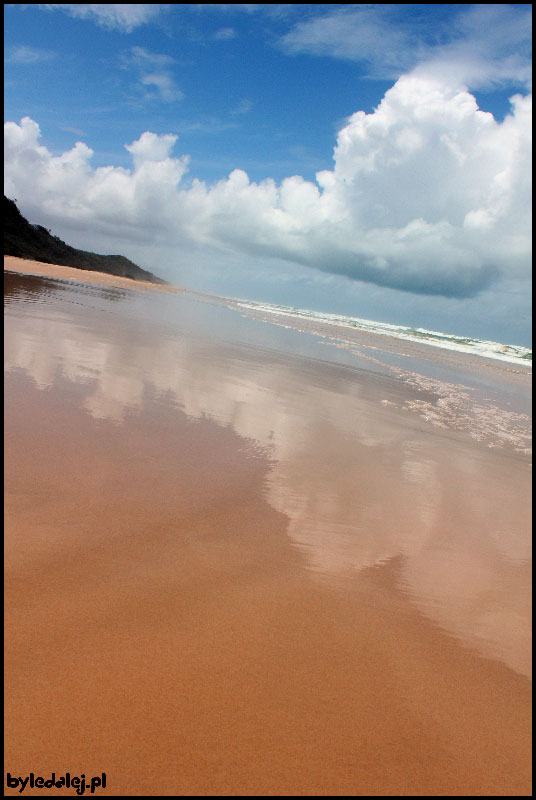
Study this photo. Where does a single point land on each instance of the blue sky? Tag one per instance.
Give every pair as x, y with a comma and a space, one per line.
220, 146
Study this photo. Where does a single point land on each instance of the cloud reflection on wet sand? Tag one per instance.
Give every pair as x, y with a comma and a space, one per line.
361, 483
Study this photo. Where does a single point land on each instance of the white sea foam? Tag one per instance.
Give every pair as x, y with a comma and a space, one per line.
515, 354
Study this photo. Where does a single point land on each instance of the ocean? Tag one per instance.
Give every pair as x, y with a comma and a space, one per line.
515, 354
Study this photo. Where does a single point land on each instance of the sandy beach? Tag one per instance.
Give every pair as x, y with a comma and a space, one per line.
239, 561
27, 267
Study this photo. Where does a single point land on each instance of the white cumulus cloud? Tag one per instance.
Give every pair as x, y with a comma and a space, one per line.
427, 194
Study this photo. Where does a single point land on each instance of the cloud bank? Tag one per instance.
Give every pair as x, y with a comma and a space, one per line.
428, 194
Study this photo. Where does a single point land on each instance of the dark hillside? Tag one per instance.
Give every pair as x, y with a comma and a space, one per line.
34, 242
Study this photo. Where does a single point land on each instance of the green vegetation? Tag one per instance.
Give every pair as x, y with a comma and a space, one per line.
34, 242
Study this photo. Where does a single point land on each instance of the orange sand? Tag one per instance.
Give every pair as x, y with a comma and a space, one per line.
161, 627
28, 267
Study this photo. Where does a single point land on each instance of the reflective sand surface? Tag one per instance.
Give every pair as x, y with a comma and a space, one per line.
233, 569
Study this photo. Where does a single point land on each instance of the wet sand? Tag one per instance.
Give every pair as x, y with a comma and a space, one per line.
233, 570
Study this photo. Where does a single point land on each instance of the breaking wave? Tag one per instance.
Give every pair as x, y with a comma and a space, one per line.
515, 354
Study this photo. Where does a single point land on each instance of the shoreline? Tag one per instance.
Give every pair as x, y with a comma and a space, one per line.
330, 330
405, 333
